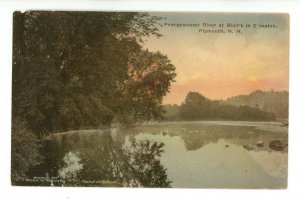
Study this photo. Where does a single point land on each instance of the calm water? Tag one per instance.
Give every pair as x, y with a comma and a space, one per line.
184, 154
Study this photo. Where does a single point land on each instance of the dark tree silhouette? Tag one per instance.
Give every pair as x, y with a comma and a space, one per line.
86, 69
198, 107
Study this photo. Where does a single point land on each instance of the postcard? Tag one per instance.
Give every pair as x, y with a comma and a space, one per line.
150, 99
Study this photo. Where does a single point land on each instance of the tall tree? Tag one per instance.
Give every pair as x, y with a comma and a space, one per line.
75, 69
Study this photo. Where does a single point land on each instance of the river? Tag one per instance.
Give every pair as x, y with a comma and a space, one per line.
203, 154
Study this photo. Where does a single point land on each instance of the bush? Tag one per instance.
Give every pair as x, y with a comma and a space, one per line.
24, 151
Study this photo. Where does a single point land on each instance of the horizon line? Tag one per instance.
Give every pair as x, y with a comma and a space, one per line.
224, 99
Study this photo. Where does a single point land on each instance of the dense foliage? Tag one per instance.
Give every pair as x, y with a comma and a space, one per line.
197, 107
83, 69
276, 102
74, 70
24, 151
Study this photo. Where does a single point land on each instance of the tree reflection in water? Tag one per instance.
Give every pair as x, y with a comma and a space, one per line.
143, 165
72, 166
101, 162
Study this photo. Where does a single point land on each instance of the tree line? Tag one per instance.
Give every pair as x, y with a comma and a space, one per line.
198, 107
276, 102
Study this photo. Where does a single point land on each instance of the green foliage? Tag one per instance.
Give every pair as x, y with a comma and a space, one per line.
86, 69
150, 76
24, 151
197, 107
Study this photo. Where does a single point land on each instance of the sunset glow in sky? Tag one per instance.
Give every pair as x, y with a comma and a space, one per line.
223, 65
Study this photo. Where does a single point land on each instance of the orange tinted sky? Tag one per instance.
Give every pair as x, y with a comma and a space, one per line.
223, 65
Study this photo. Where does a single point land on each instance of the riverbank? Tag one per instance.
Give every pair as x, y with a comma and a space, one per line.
264, 126
275, 127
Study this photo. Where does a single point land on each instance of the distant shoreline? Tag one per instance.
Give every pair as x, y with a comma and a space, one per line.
273, 126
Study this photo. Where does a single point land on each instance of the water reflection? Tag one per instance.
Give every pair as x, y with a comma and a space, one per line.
273, 163
195, 136
72, 166
206, 156
168, 155
94, 159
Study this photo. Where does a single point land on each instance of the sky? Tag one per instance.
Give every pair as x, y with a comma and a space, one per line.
220, 65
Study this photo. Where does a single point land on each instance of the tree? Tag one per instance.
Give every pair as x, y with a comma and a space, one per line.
150, 76
197, 107
86, 69
25, 151
194, 107
276, 102
172, 112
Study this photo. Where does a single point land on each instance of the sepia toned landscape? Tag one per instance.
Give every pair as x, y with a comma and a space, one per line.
127, 99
